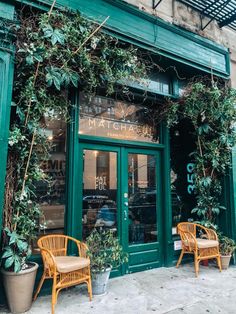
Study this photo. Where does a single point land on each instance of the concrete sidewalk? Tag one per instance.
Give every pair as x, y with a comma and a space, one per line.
162, 290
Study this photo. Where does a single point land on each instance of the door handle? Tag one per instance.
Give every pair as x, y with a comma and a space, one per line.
125, 215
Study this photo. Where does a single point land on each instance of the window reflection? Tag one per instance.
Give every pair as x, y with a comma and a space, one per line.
51, 194
106, 117
142, 198
182, 143
99, 191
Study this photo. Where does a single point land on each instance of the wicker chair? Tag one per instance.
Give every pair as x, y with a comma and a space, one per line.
64, 270
200, 241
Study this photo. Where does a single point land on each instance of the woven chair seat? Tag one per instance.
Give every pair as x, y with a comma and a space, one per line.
204, 243
67, 264
206, 247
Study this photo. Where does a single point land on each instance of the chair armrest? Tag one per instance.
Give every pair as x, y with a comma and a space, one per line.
210, 234
48, 260
188, 239
82, 247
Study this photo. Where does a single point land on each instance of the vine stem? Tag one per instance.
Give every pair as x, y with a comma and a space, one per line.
87, 39
200, 149
33, 137
37, 69
25, 175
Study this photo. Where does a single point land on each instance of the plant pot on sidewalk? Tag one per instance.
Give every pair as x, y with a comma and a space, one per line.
100, 281
19, 288
225, 260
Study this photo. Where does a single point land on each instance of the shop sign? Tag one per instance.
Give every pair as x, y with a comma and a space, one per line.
177, 245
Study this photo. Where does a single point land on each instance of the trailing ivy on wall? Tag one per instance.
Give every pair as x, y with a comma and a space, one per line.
211, 108
54, 51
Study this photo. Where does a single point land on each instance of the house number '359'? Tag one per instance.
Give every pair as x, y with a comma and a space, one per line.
190, 178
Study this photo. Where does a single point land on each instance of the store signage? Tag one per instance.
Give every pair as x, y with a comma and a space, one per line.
177, 245
100, 183
115, 129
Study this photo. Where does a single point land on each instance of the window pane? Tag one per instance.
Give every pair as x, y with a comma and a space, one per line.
51, 196
99, 191
183, 199
106, 117
142, 198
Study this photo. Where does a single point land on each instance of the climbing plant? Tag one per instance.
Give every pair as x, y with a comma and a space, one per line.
54, 52
211, 108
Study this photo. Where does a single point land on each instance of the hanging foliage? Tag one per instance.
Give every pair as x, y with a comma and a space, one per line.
211, 109
54, 51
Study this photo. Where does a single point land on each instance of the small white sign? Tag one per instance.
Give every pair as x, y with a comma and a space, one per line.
177, 245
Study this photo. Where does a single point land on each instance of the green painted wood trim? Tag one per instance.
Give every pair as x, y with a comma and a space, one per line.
72, 226
6, 84
152, 33
166, 192
7, 10
116, 142
232, 191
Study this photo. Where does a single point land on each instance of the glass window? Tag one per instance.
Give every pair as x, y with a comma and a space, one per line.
158, 83
106, 117
142, 192
99, 191
182, 143
51, 195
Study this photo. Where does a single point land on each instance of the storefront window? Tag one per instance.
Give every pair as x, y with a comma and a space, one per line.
99, 191
142, 192
106, 117
182, 143
51, 195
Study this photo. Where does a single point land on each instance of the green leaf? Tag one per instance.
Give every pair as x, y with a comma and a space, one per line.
53, 76
8, 252
55, 35
17, 264
58, 36
9, 261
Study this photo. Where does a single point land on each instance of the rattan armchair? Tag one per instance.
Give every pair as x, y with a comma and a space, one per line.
200, 241
64, 270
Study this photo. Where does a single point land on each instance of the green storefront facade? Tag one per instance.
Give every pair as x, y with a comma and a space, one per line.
110, 162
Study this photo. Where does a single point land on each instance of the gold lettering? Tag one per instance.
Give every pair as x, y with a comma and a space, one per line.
92, 122
101, 123
131, 128
123, 126
116, 126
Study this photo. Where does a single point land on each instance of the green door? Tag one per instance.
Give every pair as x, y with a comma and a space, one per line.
120, 190
141, 208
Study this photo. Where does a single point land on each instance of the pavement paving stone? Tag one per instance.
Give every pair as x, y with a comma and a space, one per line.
158, 291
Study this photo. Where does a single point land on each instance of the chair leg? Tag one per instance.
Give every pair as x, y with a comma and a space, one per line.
196, 265
89, 284
54, 295
39, 287
180, 258
219, 262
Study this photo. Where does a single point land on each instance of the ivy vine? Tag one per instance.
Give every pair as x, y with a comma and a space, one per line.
211, 108
54, 51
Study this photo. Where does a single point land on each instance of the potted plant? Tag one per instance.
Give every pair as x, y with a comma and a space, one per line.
18, 274
227, 247
105, 253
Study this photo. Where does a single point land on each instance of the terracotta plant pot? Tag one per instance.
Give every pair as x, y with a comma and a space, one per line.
225, 259
19, 288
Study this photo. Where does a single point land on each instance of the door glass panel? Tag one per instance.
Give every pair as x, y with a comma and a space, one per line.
99, 191
142, 198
